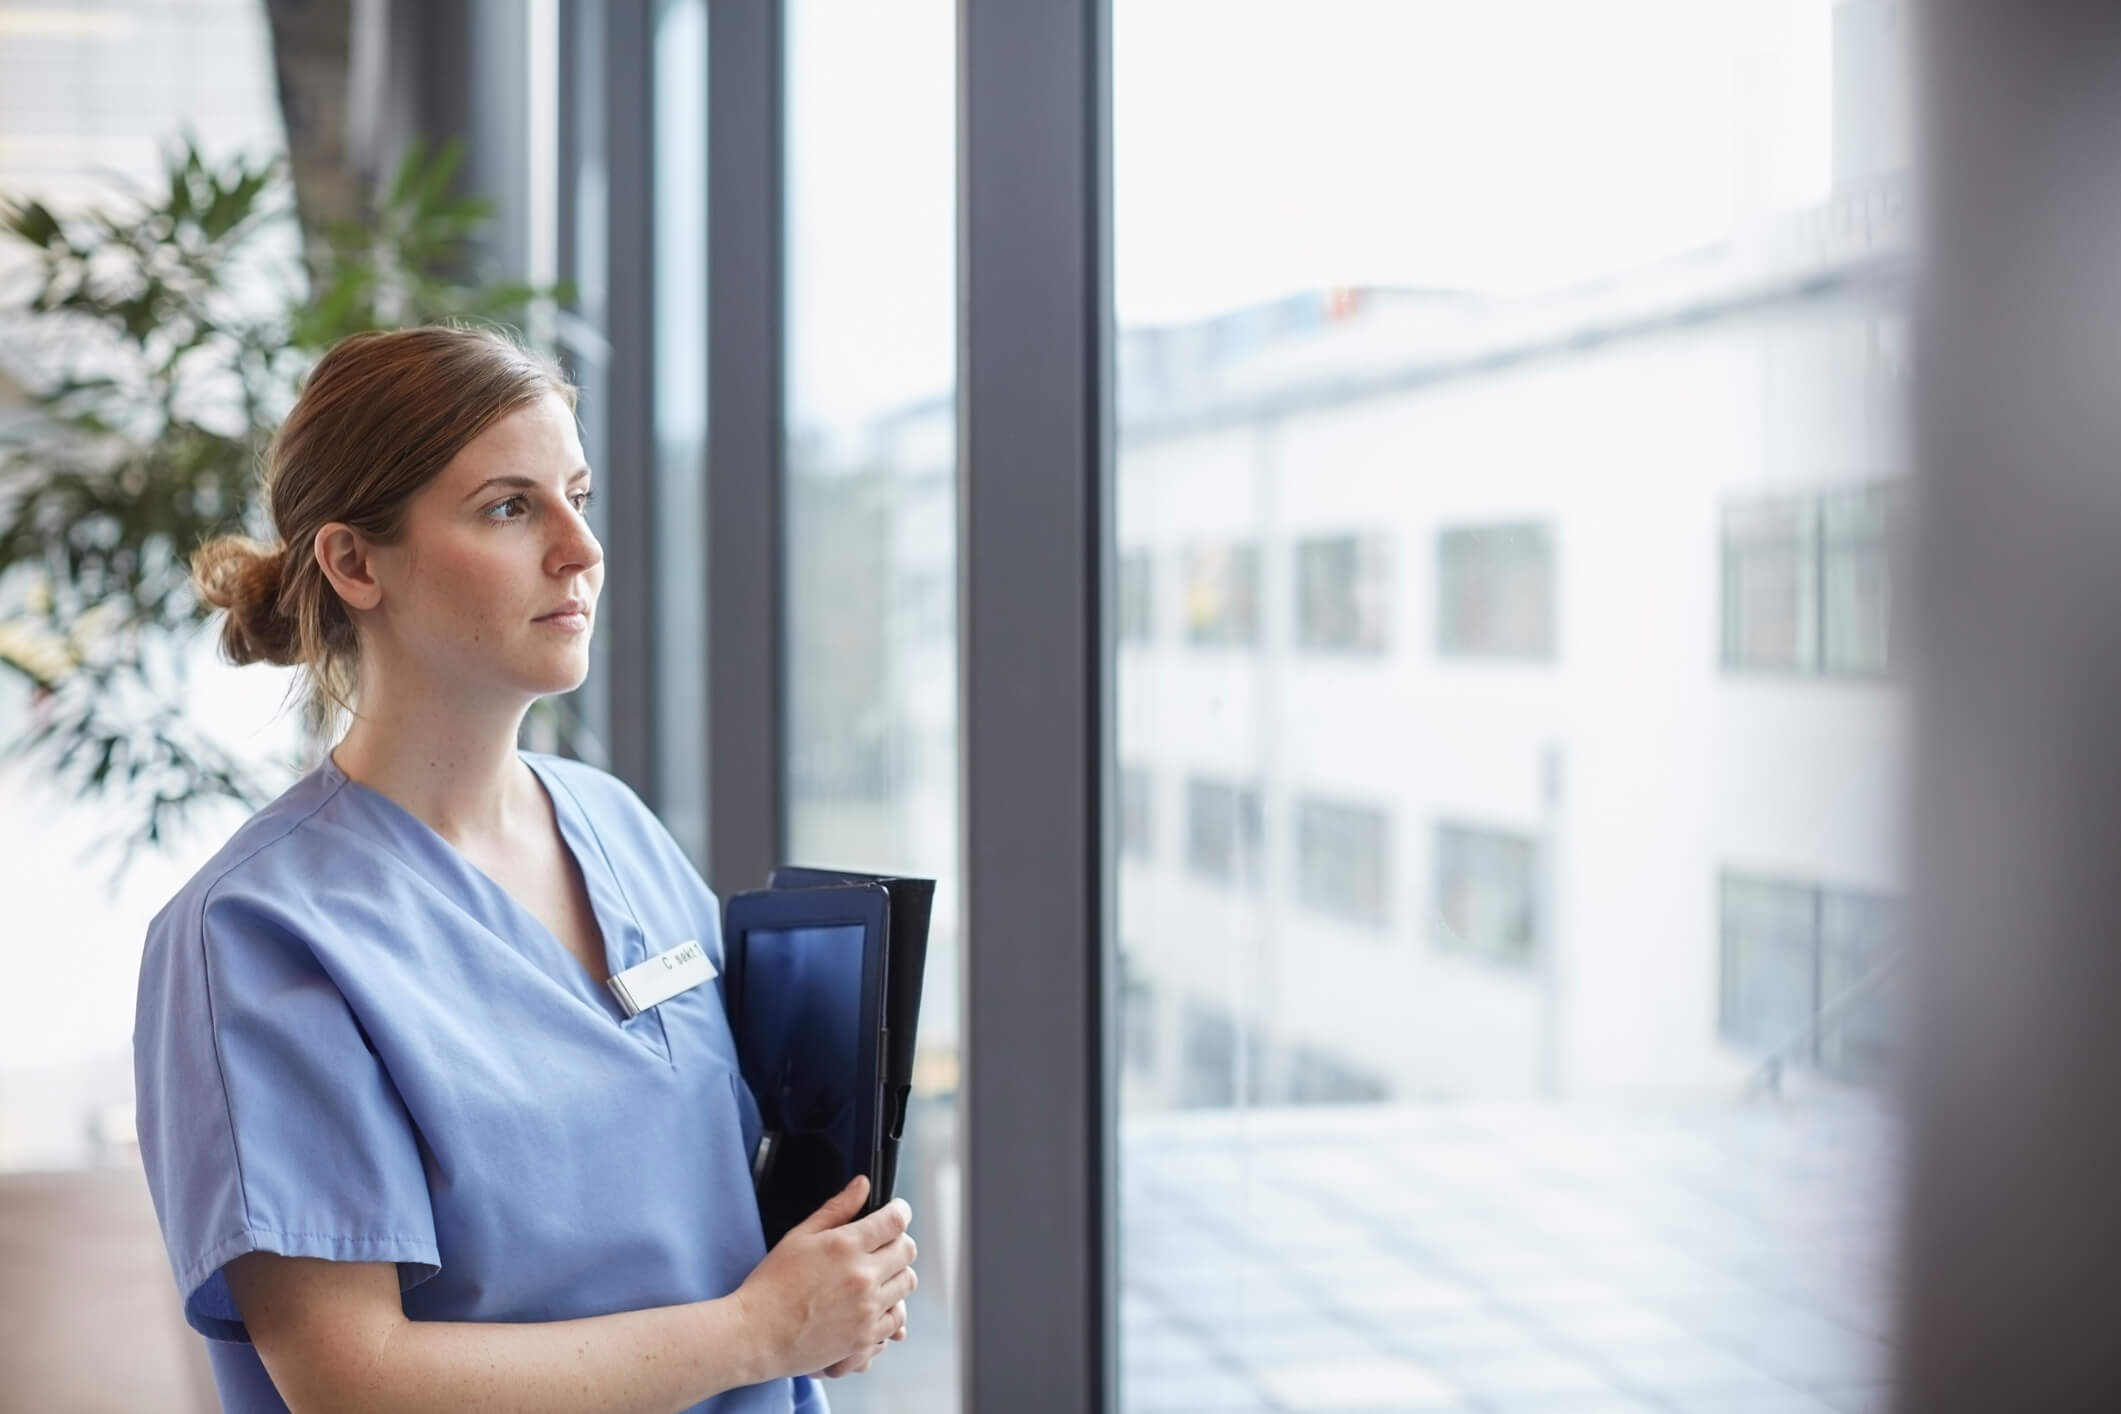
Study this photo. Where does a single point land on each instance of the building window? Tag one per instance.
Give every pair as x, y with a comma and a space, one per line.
1225, 832
1341, 594
1136, 821
1222, 1058
1859, 950
1806, 974
1319, 1079
1343, 860
1208, 1079
1222, 595
1807, 582
1137, 597
1855, 576
1770, 578
1495, 592
1137, 1011
1770, 962
1487, 891
1215, 1045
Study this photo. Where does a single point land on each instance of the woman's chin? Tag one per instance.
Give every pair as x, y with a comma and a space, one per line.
564, 684
556, 676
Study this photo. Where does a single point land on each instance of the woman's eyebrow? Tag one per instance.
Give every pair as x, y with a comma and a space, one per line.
521, 481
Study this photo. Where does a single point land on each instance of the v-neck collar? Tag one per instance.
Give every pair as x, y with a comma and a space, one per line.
503, 914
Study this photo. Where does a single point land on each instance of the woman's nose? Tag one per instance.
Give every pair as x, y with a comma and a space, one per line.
578, 544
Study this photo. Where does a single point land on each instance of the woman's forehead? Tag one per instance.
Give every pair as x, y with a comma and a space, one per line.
538, 439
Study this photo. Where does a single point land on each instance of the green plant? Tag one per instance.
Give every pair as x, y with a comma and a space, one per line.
161, 342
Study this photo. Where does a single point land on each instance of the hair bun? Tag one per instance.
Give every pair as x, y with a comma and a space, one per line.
236, 573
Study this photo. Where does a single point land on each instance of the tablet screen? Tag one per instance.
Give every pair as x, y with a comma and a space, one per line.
800, 1028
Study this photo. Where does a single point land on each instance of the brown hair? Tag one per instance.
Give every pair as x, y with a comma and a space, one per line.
380, 416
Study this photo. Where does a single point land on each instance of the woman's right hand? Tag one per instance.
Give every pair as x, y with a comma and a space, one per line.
831, 1288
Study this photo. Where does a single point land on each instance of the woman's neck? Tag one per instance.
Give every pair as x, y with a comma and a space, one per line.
458, 772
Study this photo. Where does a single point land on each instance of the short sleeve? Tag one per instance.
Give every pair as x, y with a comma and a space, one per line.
266, 1122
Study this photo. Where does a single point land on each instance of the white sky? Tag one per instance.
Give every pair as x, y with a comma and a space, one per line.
1261, 147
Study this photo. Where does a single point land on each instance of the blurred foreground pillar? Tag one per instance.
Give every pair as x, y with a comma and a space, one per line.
2013, 1229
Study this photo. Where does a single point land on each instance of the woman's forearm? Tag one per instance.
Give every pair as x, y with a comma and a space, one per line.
652, 1361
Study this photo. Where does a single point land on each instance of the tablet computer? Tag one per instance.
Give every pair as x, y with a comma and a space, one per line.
804, 980
912, 901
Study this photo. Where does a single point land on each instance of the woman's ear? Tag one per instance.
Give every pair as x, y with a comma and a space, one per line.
348, 563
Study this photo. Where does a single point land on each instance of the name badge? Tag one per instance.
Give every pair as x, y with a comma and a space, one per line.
662, 977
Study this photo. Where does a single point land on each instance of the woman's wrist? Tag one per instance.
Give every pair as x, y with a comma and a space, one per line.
738, 1326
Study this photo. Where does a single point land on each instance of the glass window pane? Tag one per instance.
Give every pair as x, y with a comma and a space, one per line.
1342, 860
871, 564
1496, 592
1860, 963
1770, 964
92, 100
1224, 828
1137, 1020
680, 156
1509, 396
1136, 820
1137, 596
1856, 580
1341, 594
1222, 594
1487, 893
1770, 585
1209, 1079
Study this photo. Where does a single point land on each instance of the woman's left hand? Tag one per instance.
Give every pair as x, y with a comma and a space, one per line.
855, 1364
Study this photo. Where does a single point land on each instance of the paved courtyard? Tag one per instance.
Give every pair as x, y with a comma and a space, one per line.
1732, 1258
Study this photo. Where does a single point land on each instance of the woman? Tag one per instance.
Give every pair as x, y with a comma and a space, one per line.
407, 1150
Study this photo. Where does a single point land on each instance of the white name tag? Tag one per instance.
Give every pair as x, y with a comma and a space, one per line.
662, 977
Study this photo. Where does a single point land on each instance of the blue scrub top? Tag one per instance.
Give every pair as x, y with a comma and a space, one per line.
351, 1043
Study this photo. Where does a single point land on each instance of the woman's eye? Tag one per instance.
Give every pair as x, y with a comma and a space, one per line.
500, 510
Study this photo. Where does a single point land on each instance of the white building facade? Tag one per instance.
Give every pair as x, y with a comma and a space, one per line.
1539, 658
